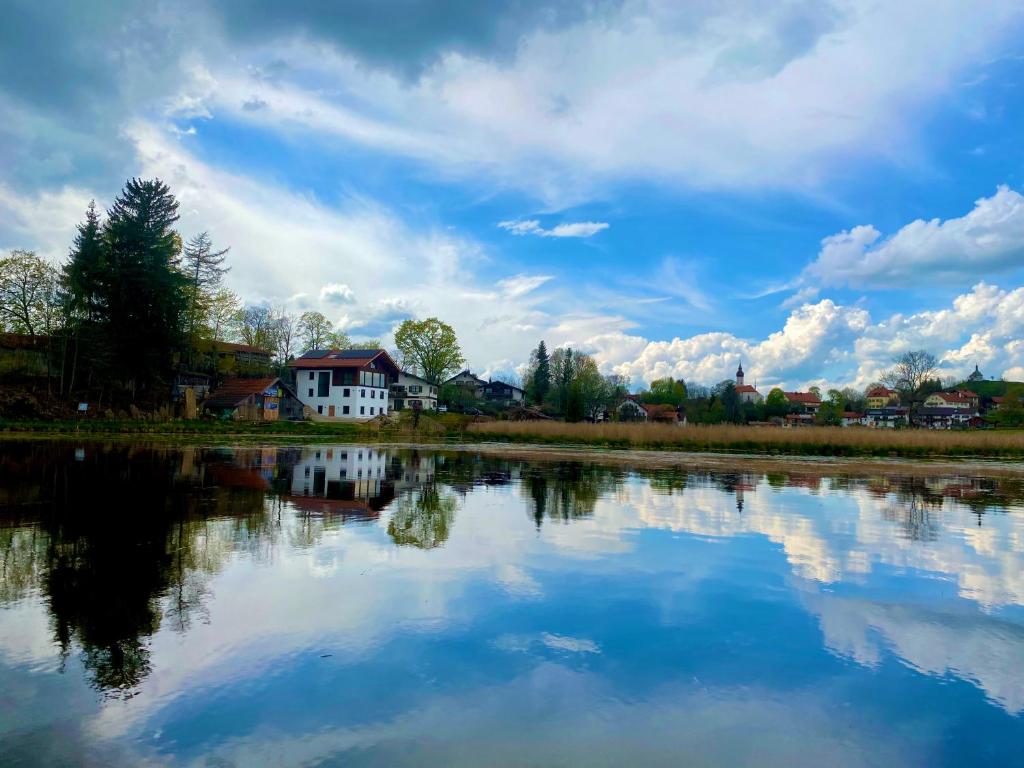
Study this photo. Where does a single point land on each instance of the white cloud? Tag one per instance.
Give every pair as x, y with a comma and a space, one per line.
725, 95
337, 293
44, 222
569, 229
835, 343
520, 285
990, 237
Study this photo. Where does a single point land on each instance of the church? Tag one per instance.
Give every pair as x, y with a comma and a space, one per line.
747, 393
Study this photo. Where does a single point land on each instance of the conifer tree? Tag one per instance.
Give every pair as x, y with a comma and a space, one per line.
542, 374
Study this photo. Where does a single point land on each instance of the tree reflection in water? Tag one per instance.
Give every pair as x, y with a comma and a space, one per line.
123, 540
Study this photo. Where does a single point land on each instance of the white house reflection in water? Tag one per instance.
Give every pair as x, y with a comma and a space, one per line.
486, 573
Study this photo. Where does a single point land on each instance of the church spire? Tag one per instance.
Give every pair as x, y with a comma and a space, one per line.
739, 375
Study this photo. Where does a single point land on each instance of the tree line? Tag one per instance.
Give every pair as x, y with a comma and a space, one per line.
134, 302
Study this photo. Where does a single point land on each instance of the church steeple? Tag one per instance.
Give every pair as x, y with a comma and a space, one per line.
739, 375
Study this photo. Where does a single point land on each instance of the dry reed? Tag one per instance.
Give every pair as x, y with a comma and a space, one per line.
825, 441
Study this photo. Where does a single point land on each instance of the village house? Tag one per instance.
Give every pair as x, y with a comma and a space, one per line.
347, 384
998, 401
503, 393
745, 392
945, 417
960, 399
412, 392
631, 410
881, 397
472, 384
852, 419
806, 402
890, 417
268, 399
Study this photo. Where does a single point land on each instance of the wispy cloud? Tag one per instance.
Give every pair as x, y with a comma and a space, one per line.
568, 229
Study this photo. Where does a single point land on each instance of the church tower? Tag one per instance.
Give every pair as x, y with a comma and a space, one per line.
739, 375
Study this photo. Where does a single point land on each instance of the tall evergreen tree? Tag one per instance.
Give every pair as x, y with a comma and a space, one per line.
83, 274
144, 289
542, 373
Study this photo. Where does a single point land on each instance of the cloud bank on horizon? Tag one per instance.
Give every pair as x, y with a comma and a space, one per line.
811, 189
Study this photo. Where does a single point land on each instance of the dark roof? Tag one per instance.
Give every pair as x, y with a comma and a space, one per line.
344, 358
942, 411
808, 398
234, 391
898, 410
505, 384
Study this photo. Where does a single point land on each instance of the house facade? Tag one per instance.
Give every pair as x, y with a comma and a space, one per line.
345, 384
412, 392
944, 417
886, 418
881, 397
503, 393
472, 384
268, 399
806, 402
630, 410
960, 399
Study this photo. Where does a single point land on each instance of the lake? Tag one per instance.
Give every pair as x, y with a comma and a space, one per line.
364, 605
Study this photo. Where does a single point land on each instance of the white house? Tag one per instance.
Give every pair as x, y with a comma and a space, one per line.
345, 384
413, 392
631, 410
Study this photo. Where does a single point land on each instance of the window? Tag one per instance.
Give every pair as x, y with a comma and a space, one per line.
310, 392
319, 409
415, 389
311, 375
362, 410
318, 455
362, 393
347, 393
307, 471
344, 472
344, 410
323, 384
373, 394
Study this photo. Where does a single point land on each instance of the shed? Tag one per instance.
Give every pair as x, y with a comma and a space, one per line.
268, 399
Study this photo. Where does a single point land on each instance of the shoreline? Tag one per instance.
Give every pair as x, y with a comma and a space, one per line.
632, 458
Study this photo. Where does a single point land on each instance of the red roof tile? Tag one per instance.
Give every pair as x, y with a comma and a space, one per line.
807, 398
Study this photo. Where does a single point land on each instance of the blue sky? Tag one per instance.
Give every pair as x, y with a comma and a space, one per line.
812, 188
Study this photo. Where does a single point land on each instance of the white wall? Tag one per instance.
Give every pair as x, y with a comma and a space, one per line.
364, 402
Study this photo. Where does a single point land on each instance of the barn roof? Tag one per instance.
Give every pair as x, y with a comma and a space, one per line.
234, 391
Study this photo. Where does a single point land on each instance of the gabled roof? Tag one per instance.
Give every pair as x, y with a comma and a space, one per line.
954, 397
234, 391
344, 358
416, 376
468, 373
504, 384
806, 398
942, 410
881, 392
747, 388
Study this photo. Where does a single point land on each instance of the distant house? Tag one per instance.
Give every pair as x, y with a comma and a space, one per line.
798, 420
472, 384
944, 417
503, 393
806, 402
959, 399
347, 384
268, 399
745, 392
852, 419
999, 400
664, 413
412, 392
630, 410
886, 418
881, 397
239, 357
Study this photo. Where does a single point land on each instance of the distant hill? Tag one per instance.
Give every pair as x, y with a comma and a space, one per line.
988, 388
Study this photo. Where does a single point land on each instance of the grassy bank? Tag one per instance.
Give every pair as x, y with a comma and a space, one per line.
818, 441
182, 427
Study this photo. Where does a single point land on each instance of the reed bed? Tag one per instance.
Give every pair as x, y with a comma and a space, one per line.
822, 441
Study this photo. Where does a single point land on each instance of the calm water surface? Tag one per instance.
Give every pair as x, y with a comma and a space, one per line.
359, 605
